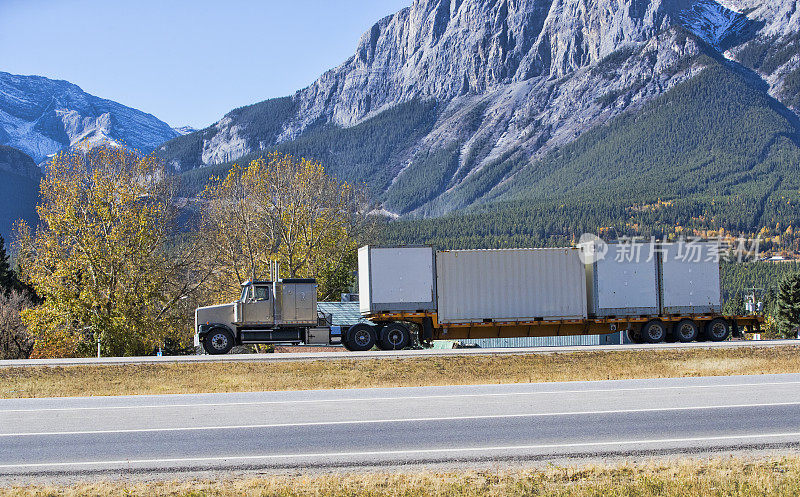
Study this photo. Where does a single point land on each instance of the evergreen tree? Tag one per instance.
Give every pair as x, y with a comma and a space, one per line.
8, 280
735, 305
787, 307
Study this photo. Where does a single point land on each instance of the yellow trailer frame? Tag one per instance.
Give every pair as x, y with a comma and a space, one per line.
431, 329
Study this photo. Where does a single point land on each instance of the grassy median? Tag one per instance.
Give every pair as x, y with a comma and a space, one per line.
687, 477
348, 373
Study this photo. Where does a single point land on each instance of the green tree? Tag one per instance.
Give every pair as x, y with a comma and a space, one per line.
735, 305
7, 276
104, 257
787, 308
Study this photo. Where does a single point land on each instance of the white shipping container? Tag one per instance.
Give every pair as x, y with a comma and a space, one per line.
690, 282
396, 279
623, 282
510, 285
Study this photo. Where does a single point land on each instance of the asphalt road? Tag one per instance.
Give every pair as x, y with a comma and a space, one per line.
340, 353
395, 426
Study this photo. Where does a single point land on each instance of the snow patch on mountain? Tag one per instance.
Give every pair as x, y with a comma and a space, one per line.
184, 130
713, 21
41, 117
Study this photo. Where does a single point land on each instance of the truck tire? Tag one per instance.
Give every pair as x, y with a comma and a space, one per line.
394, 336
634, 335
718, 330
218, 341
654, 331
360, 337
686, 331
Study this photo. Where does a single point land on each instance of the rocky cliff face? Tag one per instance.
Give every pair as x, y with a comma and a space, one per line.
512, 80
42, 116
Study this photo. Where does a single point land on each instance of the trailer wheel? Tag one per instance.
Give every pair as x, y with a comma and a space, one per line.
218, 341
635, 335
718, 330
360, 337
394, 336
654, 331
686, 330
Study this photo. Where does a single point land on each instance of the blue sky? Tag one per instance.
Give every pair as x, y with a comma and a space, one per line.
186, 62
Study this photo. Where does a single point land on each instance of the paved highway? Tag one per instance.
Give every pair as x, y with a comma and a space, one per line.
399, 425
340, 353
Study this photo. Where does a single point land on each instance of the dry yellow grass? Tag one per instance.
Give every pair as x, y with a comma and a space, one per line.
446, 370
728, 477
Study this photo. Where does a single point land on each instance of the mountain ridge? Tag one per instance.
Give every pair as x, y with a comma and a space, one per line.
42, 116
511, 80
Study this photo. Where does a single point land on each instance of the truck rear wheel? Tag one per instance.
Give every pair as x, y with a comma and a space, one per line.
654, 331
686, 330
718, 330
218, 341
360, 337
394, 336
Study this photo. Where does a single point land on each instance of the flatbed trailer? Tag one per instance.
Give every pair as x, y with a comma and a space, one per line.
428, 328
550, 292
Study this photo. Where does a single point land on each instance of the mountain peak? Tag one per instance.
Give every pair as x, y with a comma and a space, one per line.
42, 116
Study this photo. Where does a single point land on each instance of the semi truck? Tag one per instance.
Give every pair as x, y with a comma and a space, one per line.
670, 294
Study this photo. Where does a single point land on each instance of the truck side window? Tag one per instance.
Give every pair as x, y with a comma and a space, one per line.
262, 293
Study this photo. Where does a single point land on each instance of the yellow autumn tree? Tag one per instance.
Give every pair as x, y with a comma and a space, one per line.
279, 208
107, 257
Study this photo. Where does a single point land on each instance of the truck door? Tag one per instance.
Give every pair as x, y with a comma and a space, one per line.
258, 306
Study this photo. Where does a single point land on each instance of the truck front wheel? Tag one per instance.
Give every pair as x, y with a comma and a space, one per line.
218, 341
360, 338
394, 336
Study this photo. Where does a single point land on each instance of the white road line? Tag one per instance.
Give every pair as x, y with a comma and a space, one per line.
399, 398
398, 420
409, 452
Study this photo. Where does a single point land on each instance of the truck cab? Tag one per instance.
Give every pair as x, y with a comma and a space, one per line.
283, 311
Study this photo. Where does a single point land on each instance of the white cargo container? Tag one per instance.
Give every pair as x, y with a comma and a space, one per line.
690, 282
623, 282
396, 279
510, 285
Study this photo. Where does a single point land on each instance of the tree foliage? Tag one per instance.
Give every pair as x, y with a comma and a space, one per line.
287, 210
787, 306
103, 257
15, 340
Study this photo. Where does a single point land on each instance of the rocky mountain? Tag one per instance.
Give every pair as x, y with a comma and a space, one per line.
19, 188
452, 103
41, 116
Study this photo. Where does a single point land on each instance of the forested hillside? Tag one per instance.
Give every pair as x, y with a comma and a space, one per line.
713, 155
